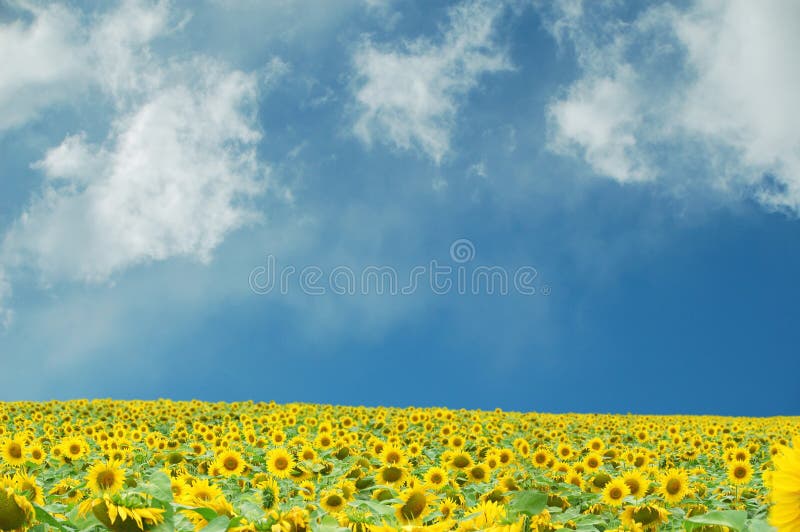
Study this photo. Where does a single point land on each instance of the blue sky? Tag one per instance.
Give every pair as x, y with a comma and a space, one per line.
642, 158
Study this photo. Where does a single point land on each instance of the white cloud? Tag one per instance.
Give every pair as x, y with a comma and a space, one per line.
176, 173
172, 179
745, 94
715, 82
408, 95
598, 120
43, 62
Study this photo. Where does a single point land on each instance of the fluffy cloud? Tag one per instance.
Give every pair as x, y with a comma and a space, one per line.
172, 179
714, 81
43, 62
176, 173
408, 95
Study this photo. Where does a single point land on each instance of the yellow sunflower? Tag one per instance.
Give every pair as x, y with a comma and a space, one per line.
13, 451
105, 478
332, 501
15, 510
414, 507
637, 483
280, 462
740, 472
674, 485
230, 463
436, 477
615, 491
785, 493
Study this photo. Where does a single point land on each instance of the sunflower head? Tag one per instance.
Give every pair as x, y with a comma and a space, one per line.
15, 510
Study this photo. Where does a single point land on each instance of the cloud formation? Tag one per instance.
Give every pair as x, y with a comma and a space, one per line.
711, 82
408, 95
177, 171
43, 62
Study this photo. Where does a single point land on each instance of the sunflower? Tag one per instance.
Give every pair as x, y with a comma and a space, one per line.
740, 472
123, 516
13, 451
105, 478
460, 460
28, 487
36, 454
280, 462
615, 492
541, 458
74, 448
436, 477
674, 485
391, 475
785, 492
574, 478
414, 507
307, 490
393, 455
592, 461
478, 473
637, 483
644, 517
447, 507
202, 492
332, 501
230, 463
15, 510
270, 494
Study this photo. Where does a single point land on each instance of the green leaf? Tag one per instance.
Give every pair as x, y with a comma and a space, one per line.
734, 519
45, 517
376, 507
529, 502
759, 525
251, 511
159, 486
218, 524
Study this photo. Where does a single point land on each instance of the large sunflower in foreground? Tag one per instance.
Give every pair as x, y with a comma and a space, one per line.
785, 512
15, 510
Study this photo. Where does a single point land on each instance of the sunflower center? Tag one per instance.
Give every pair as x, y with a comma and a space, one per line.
478, 473
231, 463
633, 485
740, 472
673, 486
392, 457
392, 474
645, 515
414, 506
15, 450
334, 501
615, 493
436, 478
461, 461
106, 479
281, 463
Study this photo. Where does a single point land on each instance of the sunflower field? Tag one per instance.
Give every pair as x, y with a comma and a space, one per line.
163, 465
